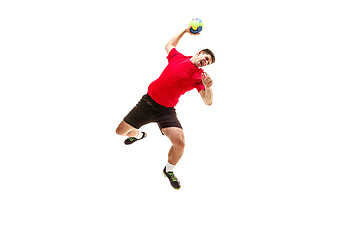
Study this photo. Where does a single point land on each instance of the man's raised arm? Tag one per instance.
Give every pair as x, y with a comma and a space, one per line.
173, 42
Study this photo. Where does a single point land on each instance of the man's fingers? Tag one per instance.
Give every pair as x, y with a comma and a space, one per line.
206, 79
205, 75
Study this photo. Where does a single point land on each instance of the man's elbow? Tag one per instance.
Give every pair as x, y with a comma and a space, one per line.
168, 47
208, 103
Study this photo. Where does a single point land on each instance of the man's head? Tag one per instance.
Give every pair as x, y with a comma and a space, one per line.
203, 58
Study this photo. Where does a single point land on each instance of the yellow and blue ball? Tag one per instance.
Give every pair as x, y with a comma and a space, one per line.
196, 25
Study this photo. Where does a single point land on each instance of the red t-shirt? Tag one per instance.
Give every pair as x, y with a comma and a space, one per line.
179, 76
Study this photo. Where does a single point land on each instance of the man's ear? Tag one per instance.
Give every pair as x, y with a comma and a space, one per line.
199, 53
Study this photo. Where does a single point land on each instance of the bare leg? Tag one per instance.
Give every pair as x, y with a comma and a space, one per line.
125, 129
177, 138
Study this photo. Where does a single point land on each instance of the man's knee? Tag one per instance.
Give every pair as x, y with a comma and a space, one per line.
119, 130
176, 136
123, 128
179, 146
180, 143
178, 140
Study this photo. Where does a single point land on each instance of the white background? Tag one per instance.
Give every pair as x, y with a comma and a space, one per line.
275, 157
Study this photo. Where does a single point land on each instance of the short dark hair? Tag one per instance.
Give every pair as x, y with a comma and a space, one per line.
208, 51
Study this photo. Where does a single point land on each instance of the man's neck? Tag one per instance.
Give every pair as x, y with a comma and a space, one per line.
193, 60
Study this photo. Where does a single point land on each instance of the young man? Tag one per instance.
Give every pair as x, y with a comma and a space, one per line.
182, 74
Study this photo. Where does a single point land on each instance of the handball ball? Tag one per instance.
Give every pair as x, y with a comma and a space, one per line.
196, 25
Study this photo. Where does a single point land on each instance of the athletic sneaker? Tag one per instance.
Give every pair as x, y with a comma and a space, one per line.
131, 140
175, 183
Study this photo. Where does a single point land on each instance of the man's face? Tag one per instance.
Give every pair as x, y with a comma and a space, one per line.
202, 60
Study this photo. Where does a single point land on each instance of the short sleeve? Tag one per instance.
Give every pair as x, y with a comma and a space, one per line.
174, 54
199, 85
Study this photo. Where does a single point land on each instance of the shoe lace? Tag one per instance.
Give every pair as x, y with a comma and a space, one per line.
173, 178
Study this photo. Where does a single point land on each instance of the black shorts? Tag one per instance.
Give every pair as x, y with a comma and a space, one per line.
147, 111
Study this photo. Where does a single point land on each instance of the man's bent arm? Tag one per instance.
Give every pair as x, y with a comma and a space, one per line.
173, 42
207, 96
